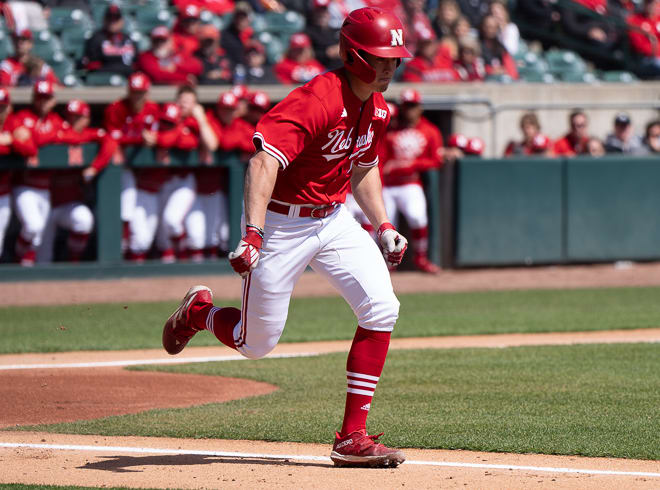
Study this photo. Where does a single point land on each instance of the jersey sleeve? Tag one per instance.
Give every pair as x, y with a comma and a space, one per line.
370, 157
289, 126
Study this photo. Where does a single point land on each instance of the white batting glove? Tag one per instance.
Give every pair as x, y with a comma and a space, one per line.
392, 243
246, 256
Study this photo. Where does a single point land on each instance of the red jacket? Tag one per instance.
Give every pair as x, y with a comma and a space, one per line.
44, 132
11, 69
290, 71
218, 7
125, 126
171, 70
570, 146
184, 43
441, 69
107, 144
641, 42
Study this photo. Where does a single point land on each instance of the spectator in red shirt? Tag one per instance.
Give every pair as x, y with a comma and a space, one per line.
216, 67
432, 63
218, 7
258, 104
31, 187
644, 35
533, 142
418, 25
186, 30
470, 66
575, 141
299, 64
498, 61
591, 23
109, 50
163, 65
13, 67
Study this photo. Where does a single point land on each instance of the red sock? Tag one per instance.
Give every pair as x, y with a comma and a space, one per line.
420, 240
219, 321
364, 365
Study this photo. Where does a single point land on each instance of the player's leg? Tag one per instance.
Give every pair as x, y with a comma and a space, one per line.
179, 202
127, 200
255, 329
32, 208
143, 225
219, 224
195, 225
353, 264
45, 250
5, 215
412, 203
389, 199
79, 221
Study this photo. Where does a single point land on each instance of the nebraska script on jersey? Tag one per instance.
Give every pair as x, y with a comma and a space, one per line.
317, 134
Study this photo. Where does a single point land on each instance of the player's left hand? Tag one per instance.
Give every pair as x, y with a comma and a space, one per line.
393, 244
246, 256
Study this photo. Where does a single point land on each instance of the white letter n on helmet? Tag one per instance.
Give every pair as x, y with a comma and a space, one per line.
397, 37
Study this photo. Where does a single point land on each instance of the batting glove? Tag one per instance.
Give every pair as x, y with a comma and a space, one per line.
246, 256
392, 243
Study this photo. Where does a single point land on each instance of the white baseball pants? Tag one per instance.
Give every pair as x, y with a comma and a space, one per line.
207, 223
74, 217
176, 197
410, 201
128, 196
337, 248
5, 215
32, 207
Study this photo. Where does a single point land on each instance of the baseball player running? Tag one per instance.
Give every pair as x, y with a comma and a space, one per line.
322, 136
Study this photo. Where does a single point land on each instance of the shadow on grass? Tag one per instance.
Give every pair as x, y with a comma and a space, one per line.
123, 464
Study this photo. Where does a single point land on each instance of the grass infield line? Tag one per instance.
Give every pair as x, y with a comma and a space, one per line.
144, 362
297, 457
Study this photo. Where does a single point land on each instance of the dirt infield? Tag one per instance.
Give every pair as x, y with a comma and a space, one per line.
48, 389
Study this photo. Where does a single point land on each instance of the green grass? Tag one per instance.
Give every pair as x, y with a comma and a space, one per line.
591, 400
138, 325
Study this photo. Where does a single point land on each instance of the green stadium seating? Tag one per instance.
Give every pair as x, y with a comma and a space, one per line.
150, 16
579, 77
104, 79
62, 65
62, 19
275, 47
504, 78
619, 76
535, 75
46, 45
279, 23
6, 46
73, 41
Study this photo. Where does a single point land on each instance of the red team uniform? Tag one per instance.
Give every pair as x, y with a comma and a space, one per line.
310, 147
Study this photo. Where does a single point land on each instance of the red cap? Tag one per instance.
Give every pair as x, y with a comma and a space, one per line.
320, 4
410, 96
259, 99
139, 82
475, 146
171, 113
160, 32
540, 143
228, 100
209, 31
78, 107
43, 88
253, 45
240, 91
24, 34
299, 40
5, 99
458, 140
112, 11
190, 12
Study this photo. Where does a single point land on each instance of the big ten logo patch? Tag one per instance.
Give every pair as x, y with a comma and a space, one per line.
75, 155
380, 113
163, 156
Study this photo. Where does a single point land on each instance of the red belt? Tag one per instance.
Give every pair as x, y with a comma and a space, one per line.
303, 211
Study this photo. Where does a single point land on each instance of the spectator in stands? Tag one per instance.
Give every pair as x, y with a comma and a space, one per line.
623, 139
70, 4
31, 187
469, 66
235, 37
131, 121
508, 33
432, 63
448, 13
13, 67
325, 39
256, 71
498, 61
644, 35
217, 69
218, 7
418, 25
462, 29
339, 10
586, 20
163, 65
298, 65
258, 104
652, 136
25, 14
575, 141
109, 50
594, 147
539, 13
533, 141
186, 30
474, 10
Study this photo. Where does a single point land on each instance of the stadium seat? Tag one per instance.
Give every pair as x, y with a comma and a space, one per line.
73, 41
142, 41
101, 79
46, 45
579, 77
503, 78
62, 19
149, 17
562, 61
283, 23
62, 65
535, 75
6, 46
275, 47
619, 76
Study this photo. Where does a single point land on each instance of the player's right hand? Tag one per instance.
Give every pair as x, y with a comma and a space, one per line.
246, 256
393, 244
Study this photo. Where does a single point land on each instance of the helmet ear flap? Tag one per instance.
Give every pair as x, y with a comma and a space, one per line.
359, 66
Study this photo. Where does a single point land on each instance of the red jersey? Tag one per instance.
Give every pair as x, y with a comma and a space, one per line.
218, 7
185, 43
44, 131
638, 40
107, 145
235, 136
539, 145
11, 70
599, 6
408, 151
317, 133
290, 71
441, 69
569, 145
125, 126
5, 175
173, 69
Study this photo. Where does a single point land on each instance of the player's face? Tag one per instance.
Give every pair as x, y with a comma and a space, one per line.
78, 122
43, 104
187, 102
384, 67
137, 98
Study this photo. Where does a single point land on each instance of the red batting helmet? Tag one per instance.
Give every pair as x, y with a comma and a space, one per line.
374, 31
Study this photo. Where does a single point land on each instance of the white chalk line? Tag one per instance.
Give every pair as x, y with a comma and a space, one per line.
302, 457
143, 362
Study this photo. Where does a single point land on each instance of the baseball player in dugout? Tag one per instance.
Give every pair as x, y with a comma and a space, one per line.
309, 147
